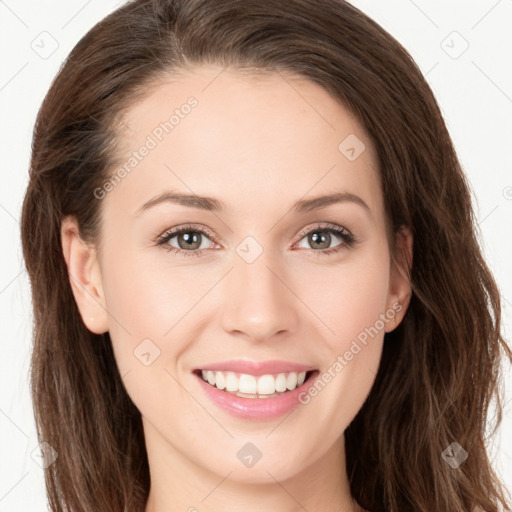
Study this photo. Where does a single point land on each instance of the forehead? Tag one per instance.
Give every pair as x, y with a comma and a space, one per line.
249, 139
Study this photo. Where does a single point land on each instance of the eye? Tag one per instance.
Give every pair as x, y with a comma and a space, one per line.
320, 238
188, 239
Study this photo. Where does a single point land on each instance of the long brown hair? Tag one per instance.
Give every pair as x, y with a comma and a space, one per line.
440, 368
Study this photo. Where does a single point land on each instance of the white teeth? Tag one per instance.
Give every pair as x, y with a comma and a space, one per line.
281, 382
247, 384
266, 385
291, 381
251, 385
220, 380
231, 382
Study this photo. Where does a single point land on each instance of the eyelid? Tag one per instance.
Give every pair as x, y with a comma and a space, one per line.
320, 226
186, 227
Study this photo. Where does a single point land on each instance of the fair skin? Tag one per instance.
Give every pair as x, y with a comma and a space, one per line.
258, 145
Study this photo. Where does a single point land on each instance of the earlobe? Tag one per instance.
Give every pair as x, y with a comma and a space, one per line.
84, 277
399, 286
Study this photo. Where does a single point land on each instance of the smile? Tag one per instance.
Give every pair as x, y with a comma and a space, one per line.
255, 391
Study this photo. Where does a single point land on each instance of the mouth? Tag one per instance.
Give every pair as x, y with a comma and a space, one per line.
245, 385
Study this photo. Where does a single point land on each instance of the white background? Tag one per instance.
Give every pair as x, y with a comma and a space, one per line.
474, 91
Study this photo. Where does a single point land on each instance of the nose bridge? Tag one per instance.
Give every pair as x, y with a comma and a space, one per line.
257, 300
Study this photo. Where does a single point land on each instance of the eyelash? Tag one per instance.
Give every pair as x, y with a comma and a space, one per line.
348, 239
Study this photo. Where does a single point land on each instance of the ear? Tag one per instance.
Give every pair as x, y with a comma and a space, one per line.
84, 277
400, 291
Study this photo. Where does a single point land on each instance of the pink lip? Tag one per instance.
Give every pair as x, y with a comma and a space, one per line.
257, 368
256, 408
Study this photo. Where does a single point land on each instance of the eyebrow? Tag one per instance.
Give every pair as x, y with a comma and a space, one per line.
215, 205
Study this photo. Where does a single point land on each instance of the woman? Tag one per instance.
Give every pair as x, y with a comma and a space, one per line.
267, 372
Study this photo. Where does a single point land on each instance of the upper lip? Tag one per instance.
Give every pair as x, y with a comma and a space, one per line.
257, 368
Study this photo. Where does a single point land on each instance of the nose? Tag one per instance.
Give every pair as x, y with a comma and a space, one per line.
259, 300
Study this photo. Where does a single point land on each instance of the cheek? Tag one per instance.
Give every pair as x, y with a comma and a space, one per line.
155, 308
149, 332
145, 296
351, 297
358, 307
143, 306
352, 301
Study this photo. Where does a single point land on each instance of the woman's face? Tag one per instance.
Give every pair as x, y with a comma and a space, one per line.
259, 278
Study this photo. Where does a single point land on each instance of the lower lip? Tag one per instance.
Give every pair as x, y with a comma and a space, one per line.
256, 408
